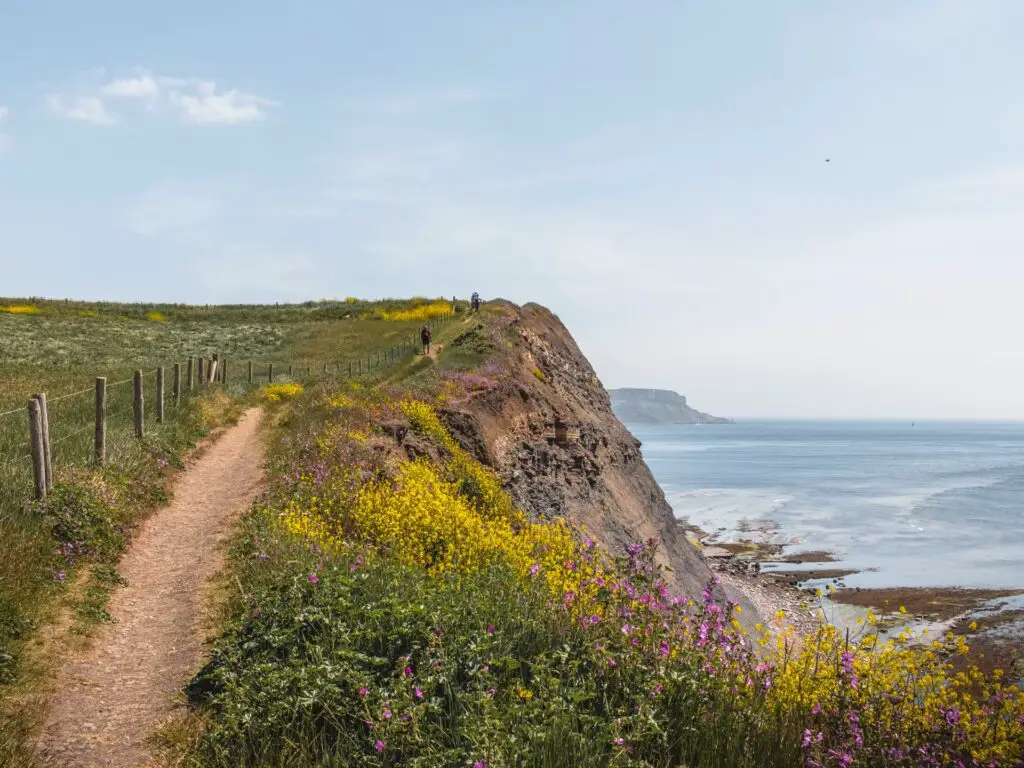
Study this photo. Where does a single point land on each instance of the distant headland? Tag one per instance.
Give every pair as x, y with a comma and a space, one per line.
657, 406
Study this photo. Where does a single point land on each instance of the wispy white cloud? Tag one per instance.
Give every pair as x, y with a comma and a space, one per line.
144, 86
191, 100
86, 109
208, 106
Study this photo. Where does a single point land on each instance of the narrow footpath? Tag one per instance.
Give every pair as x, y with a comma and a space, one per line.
107, 702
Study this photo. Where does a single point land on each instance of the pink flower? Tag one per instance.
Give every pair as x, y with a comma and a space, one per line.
407, 672
363, 691
533, 569
379, 746
490, 692
479, 764
417, 692
313, 578
387, 713
619, 741
490, 628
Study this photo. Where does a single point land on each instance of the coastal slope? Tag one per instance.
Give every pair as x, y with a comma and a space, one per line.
549, 430
657, 406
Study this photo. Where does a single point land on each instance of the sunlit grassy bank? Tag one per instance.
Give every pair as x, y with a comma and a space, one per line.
60, 557
389, 610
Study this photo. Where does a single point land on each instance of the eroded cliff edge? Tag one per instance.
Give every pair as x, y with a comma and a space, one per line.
550, 432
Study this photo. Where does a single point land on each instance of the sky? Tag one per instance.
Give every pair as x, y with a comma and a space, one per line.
779, 209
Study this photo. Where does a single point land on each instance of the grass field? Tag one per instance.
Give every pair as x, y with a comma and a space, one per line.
60, 347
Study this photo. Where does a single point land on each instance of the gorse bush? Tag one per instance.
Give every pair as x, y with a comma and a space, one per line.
422, 312
285, 391
400, 611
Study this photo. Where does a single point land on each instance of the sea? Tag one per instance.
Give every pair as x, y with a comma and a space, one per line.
904, 504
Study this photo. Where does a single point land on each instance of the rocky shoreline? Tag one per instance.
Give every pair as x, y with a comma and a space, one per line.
993, 619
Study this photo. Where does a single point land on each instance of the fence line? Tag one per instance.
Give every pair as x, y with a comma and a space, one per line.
157, 403
52, 400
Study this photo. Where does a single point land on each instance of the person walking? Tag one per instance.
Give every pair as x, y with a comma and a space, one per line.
425, 337
475, 300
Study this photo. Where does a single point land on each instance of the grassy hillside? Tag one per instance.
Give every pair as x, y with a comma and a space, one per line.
60, 555
389, 605
386, 603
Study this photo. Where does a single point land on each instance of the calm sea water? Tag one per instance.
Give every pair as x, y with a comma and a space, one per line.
936, 504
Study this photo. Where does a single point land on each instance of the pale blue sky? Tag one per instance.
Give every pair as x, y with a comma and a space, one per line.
653, 171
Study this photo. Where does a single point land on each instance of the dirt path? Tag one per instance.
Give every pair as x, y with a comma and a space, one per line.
109, 701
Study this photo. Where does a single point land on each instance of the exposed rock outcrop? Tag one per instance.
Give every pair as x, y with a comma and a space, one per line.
549, 430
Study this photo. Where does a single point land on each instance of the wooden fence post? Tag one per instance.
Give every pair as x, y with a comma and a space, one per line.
45, 421
350, 369
200, 378
289, 370
160, 395
176, 385
100, 438
188, 378
212, 372
250, 373
138, 409
224, 371
35, 432
270, 374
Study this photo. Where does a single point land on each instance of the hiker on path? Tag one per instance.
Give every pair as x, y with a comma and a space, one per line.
475, 300
425, 337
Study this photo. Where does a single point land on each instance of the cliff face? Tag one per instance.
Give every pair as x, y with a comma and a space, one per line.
549, 430
657, 406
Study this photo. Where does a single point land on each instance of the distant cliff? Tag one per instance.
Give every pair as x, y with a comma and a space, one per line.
657, 406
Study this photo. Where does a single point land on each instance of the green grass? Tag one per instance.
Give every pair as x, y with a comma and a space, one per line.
60, 349
375, 662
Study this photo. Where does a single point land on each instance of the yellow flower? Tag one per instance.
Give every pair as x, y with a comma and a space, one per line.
276, 392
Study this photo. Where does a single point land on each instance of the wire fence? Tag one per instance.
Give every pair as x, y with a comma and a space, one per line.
102, 423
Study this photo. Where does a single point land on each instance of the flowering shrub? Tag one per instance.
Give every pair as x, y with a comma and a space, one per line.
156, 317
20, 309
899, 701
286, 391
421, 313
415, 617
